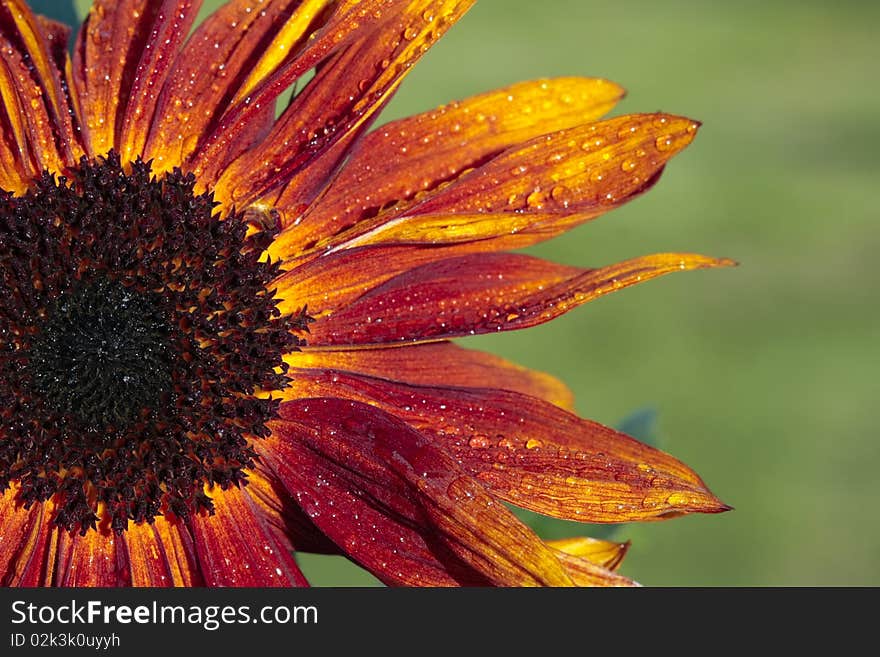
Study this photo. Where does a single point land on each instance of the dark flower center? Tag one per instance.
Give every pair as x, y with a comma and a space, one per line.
139, 343
103, 355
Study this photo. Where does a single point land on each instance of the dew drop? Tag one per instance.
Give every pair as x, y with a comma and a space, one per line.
628, 130
627, 165
536, 200
479, 441
562, 195
663, 143
534, 443
661, 122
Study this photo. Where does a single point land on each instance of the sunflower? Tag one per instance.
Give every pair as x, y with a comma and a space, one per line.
226, 324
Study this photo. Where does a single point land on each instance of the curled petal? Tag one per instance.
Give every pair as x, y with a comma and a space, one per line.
472, 295
531, 453
401, 159
607, 554
585, 572
539, 189
363, 461
439, 364
227, 560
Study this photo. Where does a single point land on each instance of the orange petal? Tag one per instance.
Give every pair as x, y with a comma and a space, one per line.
121, 60
479, 294
313, 136
214, 65
172, 23
343, 24
537, 190
531, 453
385, 461
236, 546
400, 159
438, 364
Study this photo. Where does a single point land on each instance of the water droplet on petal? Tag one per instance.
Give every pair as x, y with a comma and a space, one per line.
536, 200
562, 195
663, 143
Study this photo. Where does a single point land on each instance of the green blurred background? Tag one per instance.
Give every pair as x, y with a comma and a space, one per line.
760, 376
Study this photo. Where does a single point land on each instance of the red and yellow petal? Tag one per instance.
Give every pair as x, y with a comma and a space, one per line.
33, 80
438, 364
313, 135
375, 522
224, 57
237, 546
344, 23
534, 191
162, 554
363, 461
529, 452
123, 55
393, 164
22, 541
173, 21
488, 293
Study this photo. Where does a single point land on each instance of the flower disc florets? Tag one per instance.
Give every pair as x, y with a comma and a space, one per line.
138, 339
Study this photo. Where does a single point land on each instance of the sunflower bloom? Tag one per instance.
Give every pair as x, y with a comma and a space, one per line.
226, 326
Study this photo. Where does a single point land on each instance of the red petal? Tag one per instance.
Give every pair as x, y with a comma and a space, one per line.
351, 466
22, 542
97, 559
483, 294
162, 554
529, 452
236, 546
438, 364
